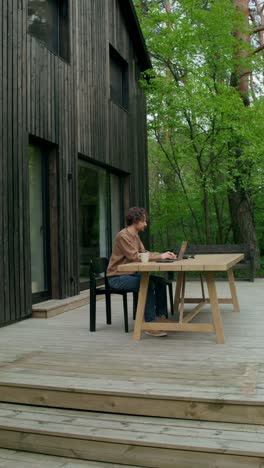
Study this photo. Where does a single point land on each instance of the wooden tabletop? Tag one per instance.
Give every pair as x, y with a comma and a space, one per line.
206, 262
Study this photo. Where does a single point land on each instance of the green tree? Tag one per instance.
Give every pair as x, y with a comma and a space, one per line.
204, 141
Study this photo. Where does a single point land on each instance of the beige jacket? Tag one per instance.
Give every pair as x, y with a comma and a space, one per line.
125, 250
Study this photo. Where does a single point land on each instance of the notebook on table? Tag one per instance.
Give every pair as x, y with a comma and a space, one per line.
180, 254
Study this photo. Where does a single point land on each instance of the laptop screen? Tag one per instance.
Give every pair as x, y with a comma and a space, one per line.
182, 250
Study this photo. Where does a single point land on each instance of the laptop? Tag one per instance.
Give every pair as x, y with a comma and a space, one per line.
182, 250
179, 256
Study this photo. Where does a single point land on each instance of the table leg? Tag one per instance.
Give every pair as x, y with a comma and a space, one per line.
232, 287
182, 298
202, 286
178, 289
217, 319
142, 295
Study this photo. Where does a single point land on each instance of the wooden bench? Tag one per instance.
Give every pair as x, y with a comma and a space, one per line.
247, 264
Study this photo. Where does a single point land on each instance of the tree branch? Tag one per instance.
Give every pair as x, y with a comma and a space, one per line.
259, 49
258, 29
174, 165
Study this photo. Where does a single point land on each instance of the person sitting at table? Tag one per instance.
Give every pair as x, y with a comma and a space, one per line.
126, 249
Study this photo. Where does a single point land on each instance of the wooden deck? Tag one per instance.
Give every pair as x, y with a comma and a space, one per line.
185, 379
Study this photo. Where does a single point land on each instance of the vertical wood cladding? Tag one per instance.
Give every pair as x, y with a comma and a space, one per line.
127, 130
15, 295
67, 105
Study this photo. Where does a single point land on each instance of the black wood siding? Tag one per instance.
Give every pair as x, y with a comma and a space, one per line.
68, 105
15, 284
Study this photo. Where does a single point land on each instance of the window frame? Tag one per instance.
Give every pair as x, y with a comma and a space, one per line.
49, 156
44, 155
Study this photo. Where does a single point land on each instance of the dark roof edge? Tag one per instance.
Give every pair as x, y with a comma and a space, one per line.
134, 28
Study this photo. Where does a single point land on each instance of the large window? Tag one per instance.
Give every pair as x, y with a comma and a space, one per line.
118, 79
48, 21
39, 224
99, 213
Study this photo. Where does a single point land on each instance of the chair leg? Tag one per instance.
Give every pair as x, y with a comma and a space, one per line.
171, 297
108, 309
135, 301
92, 312
125, 312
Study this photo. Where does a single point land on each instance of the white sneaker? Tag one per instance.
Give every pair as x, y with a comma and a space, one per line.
155, 333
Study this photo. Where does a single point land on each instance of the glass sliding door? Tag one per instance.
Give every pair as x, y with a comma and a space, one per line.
93, 215
38, 219
116, 209
100, 208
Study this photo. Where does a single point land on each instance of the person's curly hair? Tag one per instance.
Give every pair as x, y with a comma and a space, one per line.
135, 214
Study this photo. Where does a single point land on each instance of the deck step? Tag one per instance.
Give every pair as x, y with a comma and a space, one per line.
18, 459
125, 397
131, 440
53, 307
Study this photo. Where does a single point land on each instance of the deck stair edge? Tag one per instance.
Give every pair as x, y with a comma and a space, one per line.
141, 403
19, 459
146, 441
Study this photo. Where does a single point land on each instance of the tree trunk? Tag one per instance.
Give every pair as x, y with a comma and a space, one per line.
206, 211
240, 205
242, 73
220, 236
243, 222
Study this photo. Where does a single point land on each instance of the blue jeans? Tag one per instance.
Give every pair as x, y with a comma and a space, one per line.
156, 302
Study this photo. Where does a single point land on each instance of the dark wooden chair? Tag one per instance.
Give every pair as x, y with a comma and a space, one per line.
98, 286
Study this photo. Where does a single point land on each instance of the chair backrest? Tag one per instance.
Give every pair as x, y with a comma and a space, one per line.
97, 270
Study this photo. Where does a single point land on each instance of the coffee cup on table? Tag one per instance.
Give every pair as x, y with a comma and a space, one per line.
144, 257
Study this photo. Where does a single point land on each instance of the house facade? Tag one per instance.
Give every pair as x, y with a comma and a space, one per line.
73, 142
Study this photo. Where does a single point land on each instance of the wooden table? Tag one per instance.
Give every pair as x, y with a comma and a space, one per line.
207, 264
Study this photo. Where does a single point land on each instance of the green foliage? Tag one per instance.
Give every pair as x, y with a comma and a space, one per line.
198, 122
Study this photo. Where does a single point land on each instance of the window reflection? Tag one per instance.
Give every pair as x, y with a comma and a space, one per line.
43, 21
115, 205
92, 215
99, 213
118, 79
38, 215
48, 22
